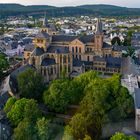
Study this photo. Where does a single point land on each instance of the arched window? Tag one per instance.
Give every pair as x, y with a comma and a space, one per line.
79, 50
87, 58
44, 72
33, 61
76, 49
64, 59
73, 49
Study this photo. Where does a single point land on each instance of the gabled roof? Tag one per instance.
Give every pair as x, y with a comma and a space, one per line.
79, 63
63, 38
42, 35
113, 62
106, 45
38, 51
14, 75
57, 49
137, 98
86, 38
100, 59
29, 47
48, 61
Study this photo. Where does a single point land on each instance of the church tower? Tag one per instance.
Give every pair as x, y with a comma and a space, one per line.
45, 24
43, 38
99, 36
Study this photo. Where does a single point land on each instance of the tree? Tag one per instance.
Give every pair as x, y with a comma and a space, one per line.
25, 131
116, 40
3, 64
68, 133
87, 137
130, 52
22, 109
57, 97
43, 129
78, 126
31, 111
121, 136
127, 40
11, 101
31, 84
16, 114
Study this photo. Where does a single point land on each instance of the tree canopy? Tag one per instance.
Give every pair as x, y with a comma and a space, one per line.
121, 136
3, 64
103, 99
21, 109
31, 84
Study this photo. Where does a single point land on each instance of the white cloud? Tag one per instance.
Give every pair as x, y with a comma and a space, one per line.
129, 3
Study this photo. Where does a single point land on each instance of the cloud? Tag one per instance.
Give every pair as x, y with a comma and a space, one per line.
128, 3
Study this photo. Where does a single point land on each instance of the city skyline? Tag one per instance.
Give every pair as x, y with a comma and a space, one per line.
123, 3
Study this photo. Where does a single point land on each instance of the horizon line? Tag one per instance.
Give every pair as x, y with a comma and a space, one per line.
69, 5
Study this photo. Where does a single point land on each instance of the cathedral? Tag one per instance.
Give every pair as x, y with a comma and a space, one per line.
55, 54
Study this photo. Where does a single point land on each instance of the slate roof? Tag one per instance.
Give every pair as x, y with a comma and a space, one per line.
137, 61
29, 47
137, 98
21, 69
14, 45
57, 49
42, 35
99, 26
113, 62
100, 59
87, 38
79, 63
38, 51
27, 40
106, 45
48, 61
15, 73
63, 38
3, 99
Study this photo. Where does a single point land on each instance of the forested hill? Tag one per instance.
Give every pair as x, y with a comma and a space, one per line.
102, 10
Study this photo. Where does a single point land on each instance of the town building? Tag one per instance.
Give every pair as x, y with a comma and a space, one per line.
135, 42
55, 53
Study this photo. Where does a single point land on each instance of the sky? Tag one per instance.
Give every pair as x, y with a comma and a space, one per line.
124, 3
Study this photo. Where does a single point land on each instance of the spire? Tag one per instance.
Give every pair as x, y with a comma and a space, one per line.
45, 21
99, 27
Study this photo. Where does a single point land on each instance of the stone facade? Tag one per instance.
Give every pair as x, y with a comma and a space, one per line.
55, 54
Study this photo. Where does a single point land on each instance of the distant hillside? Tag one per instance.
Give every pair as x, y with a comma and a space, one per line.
101, 9
101, 6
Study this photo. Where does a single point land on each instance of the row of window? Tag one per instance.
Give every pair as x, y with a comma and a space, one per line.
50, 71
76, 49
106, 69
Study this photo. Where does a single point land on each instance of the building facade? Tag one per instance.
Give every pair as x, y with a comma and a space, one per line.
73, 55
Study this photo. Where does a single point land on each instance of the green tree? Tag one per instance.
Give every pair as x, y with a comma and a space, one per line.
78, 126
57, 97
3, 64
121, 136
68, 133
130, 52
25, 131
31, 111
16, 114
116, 40
43, 129
11, 101
87, 137
22, 109
31, 84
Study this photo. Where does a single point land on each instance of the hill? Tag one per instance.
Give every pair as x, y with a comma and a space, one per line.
101, 9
